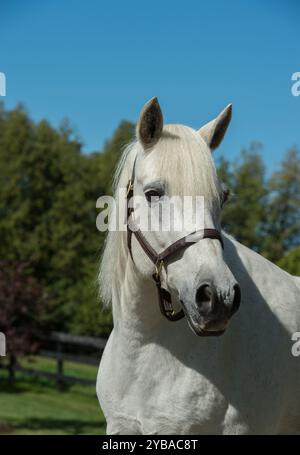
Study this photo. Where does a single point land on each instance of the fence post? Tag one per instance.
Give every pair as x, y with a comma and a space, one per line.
60, 366
11, 369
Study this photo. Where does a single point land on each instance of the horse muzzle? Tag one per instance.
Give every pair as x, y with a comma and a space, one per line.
211, 310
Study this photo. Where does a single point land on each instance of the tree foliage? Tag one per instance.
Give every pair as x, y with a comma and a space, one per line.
284, 208
245, 213
23, 307
48, 191
291, 261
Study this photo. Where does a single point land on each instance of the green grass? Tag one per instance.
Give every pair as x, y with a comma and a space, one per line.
35, 406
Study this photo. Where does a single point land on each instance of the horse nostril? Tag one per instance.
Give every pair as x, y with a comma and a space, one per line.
205, 298
237, 298
203, 293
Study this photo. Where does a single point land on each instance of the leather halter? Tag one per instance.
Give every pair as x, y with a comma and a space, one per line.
158, 259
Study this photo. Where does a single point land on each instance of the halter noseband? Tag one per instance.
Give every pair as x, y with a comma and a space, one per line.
158, 259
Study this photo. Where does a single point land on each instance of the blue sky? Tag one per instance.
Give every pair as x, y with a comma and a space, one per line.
97, 62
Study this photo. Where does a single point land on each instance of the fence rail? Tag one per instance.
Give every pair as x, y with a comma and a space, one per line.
63, 350
66, 338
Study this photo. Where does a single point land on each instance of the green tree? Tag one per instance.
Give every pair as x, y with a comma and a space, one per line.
291, 261
48, 191
283, 229
244, 214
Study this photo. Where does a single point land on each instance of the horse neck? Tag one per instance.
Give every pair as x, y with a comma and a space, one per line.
134, 301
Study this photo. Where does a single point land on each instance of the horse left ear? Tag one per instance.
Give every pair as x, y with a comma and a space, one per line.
150, 124
214, 131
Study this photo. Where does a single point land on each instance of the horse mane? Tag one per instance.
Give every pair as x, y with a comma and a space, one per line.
194, 174
114, 242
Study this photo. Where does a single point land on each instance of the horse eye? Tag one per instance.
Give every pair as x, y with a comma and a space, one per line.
152, 196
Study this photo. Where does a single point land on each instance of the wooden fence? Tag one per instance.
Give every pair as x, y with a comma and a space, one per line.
62, 347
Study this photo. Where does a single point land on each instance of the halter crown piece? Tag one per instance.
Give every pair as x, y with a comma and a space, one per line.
158, 259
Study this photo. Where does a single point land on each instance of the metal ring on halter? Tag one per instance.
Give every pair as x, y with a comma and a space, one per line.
158, 267
129, 187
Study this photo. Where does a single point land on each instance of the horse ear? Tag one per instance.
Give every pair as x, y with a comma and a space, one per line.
214, 131
150, 124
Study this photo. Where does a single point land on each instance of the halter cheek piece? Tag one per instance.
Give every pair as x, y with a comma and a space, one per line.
158, 259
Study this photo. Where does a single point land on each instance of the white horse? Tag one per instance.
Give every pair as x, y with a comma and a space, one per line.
156, 376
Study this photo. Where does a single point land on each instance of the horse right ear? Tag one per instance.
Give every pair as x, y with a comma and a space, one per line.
150, 124
214, 131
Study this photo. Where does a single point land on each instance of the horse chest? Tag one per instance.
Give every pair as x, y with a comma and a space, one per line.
152, 393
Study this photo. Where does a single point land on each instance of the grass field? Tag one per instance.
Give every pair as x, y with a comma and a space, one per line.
35, 406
